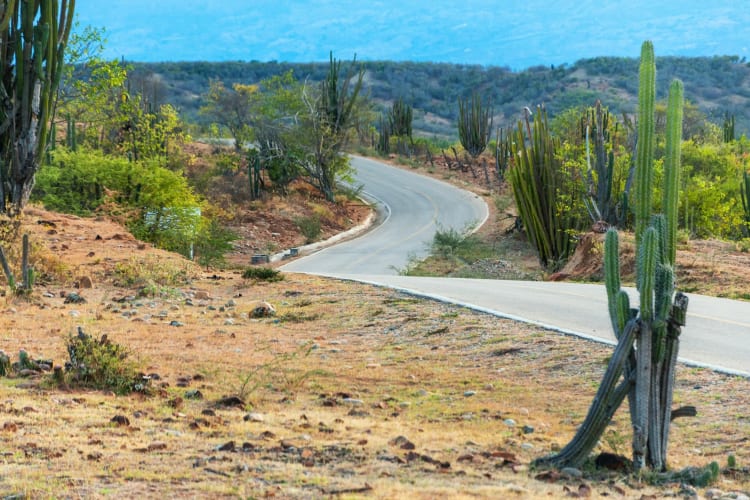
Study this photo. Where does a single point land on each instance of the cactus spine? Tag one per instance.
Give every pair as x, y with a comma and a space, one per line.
648, 368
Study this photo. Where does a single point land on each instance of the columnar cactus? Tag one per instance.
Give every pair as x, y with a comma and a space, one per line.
474, 124
33, 35
648, 343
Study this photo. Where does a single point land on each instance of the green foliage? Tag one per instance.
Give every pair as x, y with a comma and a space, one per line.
158, 204
474, 124
309, 227
543, 193
101, 364
267, 274
213, 242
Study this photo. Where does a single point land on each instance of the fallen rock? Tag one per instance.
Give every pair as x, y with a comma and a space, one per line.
263, 310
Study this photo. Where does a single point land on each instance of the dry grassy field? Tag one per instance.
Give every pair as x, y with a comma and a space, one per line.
348, 390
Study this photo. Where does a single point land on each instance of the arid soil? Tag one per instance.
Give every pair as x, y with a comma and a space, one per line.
348, 390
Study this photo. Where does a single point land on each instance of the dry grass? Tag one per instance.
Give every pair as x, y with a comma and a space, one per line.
340, 372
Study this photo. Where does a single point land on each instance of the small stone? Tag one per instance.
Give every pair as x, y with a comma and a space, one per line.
74, 313
509, 422
74, 298
229, 322
231, 303
527, 429
254, 417
527, 446
468, 394
422, 392
120, 420
714, 493
202, 295
175, 323
84, 282
263, 310
353, 402
193, 394
571, 472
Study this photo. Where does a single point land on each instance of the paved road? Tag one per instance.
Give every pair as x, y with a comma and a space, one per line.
412, 208
717, 334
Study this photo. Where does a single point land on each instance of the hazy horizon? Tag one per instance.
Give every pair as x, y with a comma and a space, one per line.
514, 34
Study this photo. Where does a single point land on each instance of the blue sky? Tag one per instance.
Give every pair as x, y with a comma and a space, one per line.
512, 33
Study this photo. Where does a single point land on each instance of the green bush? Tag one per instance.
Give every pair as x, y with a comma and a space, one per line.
309, 227
101, 364
268, 274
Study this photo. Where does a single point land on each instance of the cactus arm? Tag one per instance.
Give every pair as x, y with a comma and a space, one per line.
672, 168
647, 260
645, 152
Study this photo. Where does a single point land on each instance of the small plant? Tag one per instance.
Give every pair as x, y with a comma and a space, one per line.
309, 227
101, 364
28, 274
267, 274
153, 269
278, 371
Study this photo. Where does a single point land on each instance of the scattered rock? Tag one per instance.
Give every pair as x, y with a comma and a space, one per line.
612, 461
229, 401
571, 472
84, 282
263, 310
156, 446
74, 298
509, 422
193, 394
202, 295
228, 446
527, 429
176, 323
402, 442
468, 394
254, 417
120, 420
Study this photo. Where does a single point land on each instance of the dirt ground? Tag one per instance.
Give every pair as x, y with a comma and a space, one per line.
348, 391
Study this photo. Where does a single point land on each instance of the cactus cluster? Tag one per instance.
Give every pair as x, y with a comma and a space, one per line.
474, 124
595, 128
648, 337
33, 35
745, 195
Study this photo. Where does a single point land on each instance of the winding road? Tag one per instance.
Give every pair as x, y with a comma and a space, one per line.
412, 207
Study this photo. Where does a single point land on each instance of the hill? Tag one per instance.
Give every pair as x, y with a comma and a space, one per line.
717, 85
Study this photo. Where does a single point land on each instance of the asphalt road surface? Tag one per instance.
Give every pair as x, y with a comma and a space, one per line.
717, 334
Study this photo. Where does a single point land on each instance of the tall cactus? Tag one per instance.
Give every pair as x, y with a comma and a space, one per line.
745, 195
33, 36
474, 124
648, 338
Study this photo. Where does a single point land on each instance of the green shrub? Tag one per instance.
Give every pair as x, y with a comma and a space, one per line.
101, 364
309, 227
268, 274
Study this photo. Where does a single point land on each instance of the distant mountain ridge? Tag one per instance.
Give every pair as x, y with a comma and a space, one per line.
717, 85
515, 33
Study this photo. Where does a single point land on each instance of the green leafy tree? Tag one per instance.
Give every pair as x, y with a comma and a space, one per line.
33, 36
232, 108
